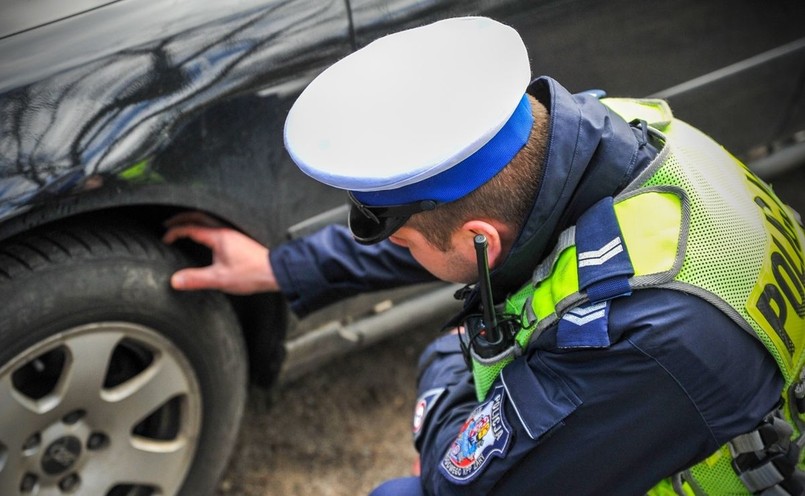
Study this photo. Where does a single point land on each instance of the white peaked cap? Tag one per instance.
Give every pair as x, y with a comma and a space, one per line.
409, 106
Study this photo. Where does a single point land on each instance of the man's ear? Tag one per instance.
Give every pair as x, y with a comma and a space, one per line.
463, 240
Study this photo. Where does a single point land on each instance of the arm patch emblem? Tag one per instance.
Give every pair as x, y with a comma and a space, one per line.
485, 434
424, 404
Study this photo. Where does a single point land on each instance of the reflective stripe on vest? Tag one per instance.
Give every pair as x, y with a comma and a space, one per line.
656, 253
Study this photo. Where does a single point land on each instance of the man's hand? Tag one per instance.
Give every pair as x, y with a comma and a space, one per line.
240, 264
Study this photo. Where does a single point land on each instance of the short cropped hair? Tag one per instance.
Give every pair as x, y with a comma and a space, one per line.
508, 197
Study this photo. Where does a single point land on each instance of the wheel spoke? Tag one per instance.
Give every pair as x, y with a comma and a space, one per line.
16, 406
13, 432
139, 462
143, 394
86, 367
10, 473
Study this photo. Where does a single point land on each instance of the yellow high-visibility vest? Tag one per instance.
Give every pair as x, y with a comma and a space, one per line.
696, 220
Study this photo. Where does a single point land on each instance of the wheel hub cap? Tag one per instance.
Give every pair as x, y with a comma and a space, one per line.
61, 454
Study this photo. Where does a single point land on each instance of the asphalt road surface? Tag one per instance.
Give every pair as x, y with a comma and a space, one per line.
338, 431
345, 428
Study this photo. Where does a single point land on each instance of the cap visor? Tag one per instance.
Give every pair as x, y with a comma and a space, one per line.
368, 231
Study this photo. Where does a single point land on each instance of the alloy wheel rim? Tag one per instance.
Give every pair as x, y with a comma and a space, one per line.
111, 408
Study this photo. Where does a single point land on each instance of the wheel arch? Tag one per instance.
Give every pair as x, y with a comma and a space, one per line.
263, 318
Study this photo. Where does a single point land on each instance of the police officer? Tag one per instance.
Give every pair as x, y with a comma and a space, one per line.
642, 327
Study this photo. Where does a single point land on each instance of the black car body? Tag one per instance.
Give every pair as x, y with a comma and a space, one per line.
116, 115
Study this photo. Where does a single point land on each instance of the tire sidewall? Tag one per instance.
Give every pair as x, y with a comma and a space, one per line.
200, 324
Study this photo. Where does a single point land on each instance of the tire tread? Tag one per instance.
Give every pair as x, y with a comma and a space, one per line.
68, 244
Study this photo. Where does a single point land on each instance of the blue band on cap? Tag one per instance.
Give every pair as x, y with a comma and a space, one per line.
467, 175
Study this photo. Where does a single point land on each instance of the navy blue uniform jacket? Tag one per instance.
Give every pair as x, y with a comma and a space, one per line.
678, 381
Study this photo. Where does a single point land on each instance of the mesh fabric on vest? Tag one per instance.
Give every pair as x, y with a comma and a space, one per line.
724, 255
723, 218
485, 375
716, 477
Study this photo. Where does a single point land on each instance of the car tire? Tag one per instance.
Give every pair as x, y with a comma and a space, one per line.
111, 383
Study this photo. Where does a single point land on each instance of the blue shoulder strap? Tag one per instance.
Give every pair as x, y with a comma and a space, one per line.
604, 269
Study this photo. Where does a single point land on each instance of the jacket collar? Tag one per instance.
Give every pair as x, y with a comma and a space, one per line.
592, 153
